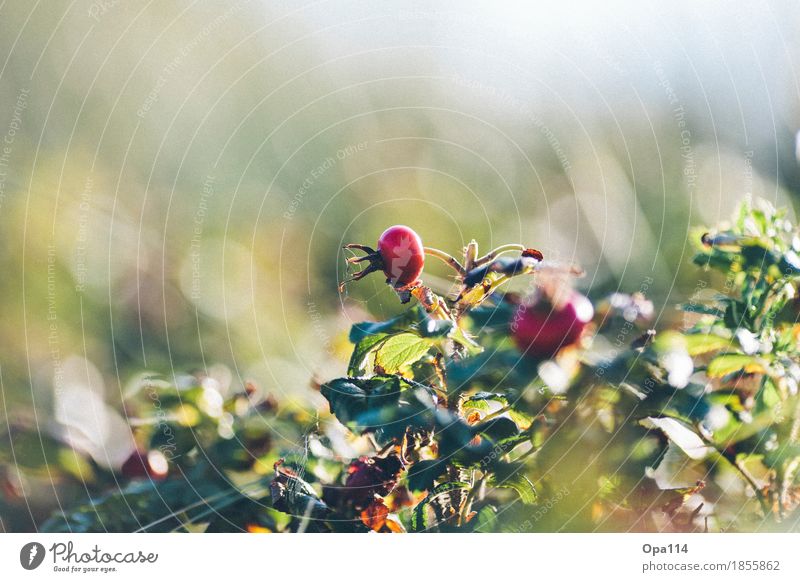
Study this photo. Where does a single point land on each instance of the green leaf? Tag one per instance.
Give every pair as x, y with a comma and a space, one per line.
402, 322
767, 396
348, 398
787, 452
668, 341
419, 519
386, 405
481, 400
493, 315
414, 319
362, 350
400, 350
730, 363
32, 450
715, 259
702, 343
72, 462
455, 436
291, 494
512, 476
730, 400
743, 212
434, 328
765, 419
498, 429
701, 309
485, 520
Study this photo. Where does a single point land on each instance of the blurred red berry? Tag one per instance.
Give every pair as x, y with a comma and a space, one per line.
541, 330
152, 464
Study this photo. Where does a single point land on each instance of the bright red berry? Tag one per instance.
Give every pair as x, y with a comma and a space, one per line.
541, 330
402, 255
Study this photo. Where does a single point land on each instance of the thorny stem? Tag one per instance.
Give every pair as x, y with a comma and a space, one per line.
433, 304
441, 375
788, 478
794, 432
473, 493
477, 294
447, 258
750, 481
457, 498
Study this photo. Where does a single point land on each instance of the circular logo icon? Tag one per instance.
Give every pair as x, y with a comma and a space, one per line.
31, 555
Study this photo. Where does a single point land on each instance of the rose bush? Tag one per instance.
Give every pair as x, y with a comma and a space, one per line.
490, 410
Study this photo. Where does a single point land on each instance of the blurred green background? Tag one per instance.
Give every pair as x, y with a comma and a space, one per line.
177, 178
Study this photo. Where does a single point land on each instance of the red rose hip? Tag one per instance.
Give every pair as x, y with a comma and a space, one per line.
402, 255
541, 330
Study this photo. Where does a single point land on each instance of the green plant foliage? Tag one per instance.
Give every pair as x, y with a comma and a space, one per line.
452, 428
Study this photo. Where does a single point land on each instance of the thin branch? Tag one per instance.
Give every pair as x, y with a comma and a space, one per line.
731, 458
499, 251
496, 413
792, 466
447, 258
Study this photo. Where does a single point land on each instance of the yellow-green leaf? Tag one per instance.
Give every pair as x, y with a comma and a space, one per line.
400, 350
702, 343
730, 363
